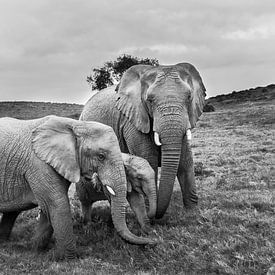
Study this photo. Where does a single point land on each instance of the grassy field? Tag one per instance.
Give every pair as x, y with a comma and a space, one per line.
234, 155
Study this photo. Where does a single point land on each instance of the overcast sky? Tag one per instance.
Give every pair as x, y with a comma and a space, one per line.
48, 47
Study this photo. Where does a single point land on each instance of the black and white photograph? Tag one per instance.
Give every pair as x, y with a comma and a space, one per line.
137, 137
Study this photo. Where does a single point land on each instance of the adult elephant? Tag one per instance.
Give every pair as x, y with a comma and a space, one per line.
38, 161
152, 114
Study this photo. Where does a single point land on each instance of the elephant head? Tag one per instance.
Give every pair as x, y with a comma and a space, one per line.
164, 102
140, 182
79, 149
141, 179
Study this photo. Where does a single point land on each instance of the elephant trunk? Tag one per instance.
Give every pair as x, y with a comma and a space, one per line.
151, 194
118, 209
171, 134
118, 212
148, 186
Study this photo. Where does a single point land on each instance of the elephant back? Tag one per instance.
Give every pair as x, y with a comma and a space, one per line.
101, 108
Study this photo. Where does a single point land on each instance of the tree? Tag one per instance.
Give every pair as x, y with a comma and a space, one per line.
100, 79
112, 71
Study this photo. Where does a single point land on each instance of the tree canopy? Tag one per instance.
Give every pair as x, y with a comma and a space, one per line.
112, 71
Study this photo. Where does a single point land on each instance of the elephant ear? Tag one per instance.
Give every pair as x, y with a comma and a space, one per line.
129, 98
197, 99
55, 143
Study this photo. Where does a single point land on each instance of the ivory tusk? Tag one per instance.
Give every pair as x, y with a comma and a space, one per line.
189, 135
156, 138
110, 190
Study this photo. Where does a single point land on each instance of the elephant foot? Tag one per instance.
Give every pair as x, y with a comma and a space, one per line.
59, 255
192, 209
42, 243
161, 221
42, 238
145, 225
89, 227
4, 236
146, 229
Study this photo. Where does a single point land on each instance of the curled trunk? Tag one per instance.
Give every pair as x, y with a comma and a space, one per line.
118, 209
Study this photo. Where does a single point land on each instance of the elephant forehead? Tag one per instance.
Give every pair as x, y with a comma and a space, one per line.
95, 129
106, 134
102, 140
141, 165
94, 126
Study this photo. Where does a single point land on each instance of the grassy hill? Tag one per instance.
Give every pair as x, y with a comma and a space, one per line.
30, 110
264, 94
234, 152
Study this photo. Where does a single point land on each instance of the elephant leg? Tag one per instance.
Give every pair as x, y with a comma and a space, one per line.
44, 232
51, 195
186, 176
61, 221
86, 212
6, 224
137, 204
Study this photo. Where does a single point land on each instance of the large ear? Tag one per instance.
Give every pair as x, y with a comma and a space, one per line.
129, 100
197, 100
55, 143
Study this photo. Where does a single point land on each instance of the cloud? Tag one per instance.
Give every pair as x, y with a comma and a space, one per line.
49, 47
265, 31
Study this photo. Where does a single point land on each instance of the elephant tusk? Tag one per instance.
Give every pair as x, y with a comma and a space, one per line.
189, 135
110, 190
156, 138
129, 187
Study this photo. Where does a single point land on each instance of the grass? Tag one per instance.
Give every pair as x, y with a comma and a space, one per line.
234, 157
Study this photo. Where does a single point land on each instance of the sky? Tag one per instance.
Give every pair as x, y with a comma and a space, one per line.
49, 47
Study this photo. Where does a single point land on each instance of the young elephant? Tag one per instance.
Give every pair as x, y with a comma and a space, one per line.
140, 181
38, 161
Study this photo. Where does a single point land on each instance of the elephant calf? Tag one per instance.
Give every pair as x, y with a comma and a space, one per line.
40, 158
140, 181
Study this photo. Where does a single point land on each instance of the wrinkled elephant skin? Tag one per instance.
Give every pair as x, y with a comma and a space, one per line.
39, 160
152, 112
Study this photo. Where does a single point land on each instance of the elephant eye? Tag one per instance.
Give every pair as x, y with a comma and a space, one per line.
150, 100
189, 96
101, 156
150, 97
